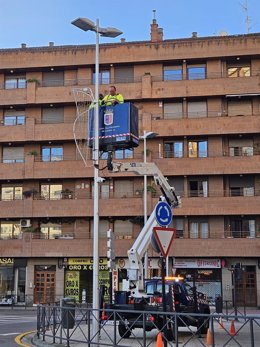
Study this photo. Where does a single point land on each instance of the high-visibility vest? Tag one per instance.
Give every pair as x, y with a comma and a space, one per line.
107, 100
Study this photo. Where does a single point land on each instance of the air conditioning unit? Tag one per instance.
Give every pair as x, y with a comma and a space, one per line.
25, 223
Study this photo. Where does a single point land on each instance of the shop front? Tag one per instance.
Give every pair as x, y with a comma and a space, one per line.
79, 278
204, 273
12, 280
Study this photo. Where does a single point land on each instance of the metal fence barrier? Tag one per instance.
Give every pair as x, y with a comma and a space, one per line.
72, 326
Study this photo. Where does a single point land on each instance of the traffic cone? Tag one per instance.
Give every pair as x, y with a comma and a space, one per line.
220, 324
209, 338
159, 340
103, 315
232, 328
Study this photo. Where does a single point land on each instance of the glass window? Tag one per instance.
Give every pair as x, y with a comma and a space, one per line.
124, 154
239, 71
14, 120
173, 149
172, 73
199, 230
52, 153
10, 230
14, 82
51, 231
198, 149
104, 77
11, 193
196, 72
198, 188
51, 191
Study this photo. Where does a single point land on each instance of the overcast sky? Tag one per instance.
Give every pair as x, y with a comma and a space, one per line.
36, 22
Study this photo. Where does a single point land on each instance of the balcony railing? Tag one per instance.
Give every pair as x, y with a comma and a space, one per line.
241, 234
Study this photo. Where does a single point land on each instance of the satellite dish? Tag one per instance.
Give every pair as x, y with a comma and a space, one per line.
222, 33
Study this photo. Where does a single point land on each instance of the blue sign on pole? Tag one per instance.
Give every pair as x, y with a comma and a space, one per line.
163, 214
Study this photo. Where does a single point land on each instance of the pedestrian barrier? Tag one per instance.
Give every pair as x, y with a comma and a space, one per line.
114, 330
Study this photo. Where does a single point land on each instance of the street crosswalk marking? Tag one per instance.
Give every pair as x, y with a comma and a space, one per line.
16, 319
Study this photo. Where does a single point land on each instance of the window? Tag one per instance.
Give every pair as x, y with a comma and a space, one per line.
241, 147
199, 230
198, 149
124, 74
239, 71
197, 109
103, 190
13, 155
11, 193
50, 153
51, 230
51, 191
178, 183
124, 154
123, 188
196, 72
103, 228
240, 227
172, 73
104, 77
173, 149
52, 115
239, 107
172, 110
241, 185
198, 188
14, 118
178, 224
10, 230
53, 79
15, 82
123, 229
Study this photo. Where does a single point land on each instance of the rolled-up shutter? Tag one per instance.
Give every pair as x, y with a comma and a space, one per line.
239, 107
13, 154
103, 228
53, 79
123, 229
53, 115
197, 109
172, 110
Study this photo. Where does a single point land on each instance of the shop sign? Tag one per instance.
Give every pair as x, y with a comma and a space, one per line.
6, 261
197, 264
79, 264
72, 284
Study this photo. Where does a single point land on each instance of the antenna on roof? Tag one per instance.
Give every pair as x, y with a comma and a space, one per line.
244, 6
154, 14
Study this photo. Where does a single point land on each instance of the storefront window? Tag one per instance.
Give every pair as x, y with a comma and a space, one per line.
6, 278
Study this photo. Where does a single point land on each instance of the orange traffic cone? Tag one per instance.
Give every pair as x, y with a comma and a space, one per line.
209, 338
103, 315
232, 328
220, 324
159, 340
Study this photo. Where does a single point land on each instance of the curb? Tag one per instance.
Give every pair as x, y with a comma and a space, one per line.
39, 343
20, 337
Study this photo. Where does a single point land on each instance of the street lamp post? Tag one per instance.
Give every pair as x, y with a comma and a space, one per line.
146, 135
86, 24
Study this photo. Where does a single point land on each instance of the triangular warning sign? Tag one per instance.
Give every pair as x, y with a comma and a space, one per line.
164, 238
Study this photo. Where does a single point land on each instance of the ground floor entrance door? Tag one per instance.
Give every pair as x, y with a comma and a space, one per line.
246, 289
44, 290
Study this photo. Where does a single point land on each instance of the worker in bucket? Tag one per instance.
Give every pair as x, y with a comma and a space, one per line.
112, 98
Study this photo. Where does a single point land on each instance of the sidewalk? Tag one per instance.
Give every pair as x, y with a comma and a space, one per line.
221, 336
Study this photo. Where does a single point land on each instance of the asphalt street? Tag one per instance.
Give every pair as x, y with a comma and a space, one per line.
14, 322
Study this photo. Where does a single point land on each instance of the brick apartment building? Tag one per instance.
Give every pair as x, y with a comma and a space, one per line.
202, 97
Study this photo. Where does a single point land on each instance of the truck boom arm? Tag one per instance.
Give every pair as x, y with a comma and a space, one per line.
135, 254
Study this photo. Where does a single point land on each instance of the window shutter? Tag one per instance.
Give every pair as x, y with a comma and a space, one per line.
103, 228
53, 115
52, 79
124, 74
172, 110
197, 109
236, 108
13, 153
123, 188
241, 143
123, 228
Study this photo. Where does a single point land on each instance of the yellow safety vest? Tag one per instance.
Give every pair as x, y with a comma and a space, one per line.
107, 100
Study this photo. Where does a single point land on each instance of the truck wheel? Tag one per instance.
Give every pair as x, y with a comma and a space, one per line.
203, 326
124, 331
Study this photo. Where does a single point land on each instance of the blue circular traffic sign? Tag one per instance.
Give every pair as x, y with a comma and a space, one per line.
163, 214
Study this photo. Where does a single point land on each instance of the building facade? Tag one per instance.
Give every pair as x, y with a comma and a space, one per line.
200, 95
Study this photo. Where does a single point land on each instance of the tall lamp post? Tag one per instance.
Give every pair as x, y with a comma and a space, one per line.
86, 24
145, 136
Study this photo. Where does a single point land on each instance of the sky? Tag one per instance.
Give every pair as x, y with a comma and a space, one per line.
37, 22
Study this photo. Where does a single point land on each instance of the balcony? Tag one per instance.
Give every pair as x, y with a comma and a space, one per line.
207, 126
209, 166
28, 246
225, 247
